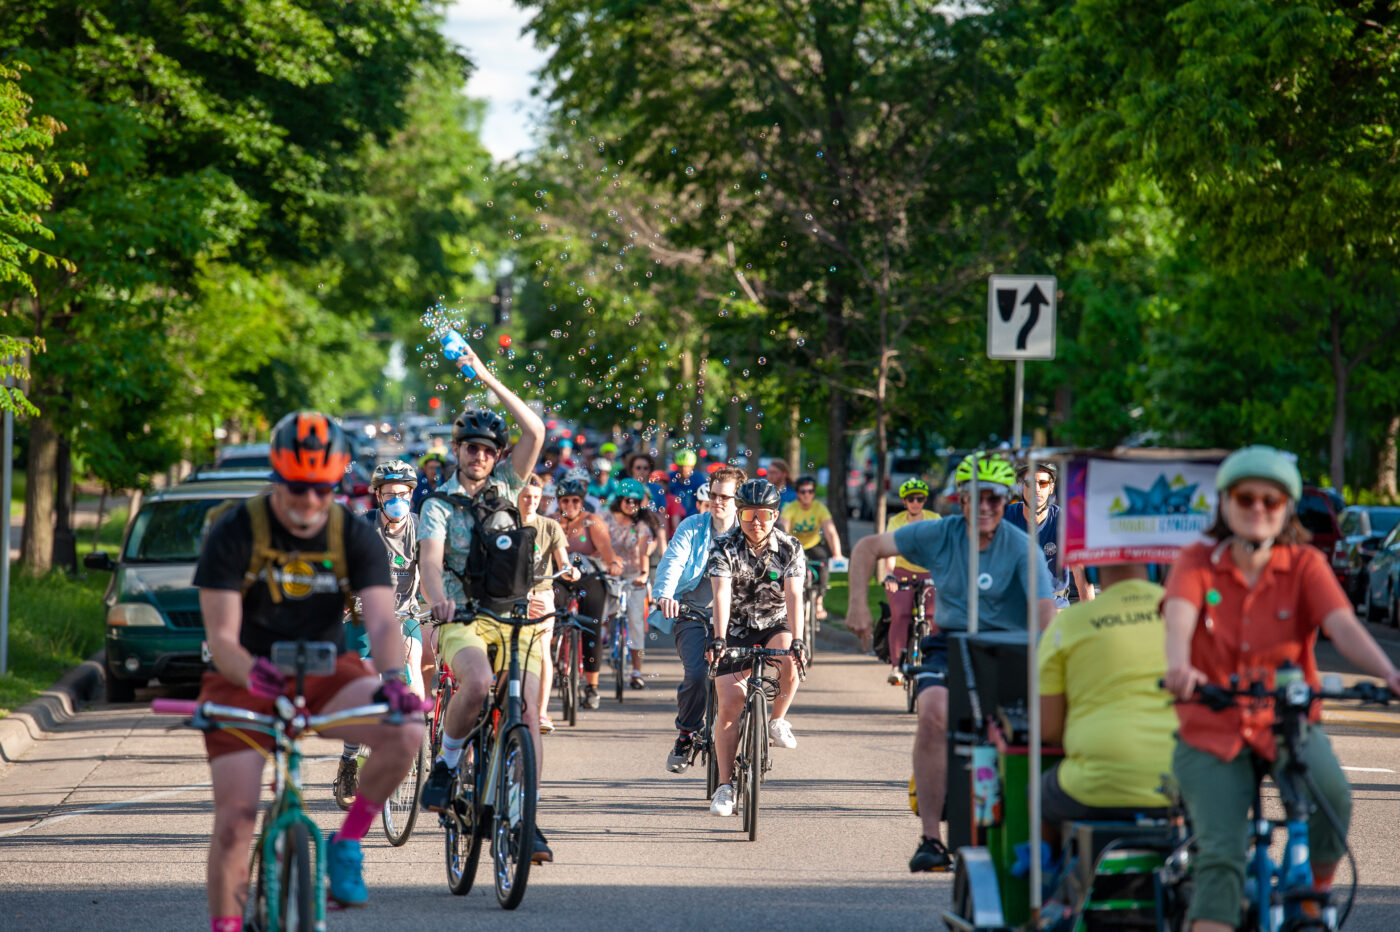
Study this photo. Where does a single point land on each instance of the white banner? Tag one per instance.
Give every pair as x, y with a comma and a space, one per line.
1138, 510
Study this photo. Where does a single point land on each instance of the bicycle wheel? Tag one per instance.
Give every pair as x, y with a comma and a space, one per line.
757, 739
916, 658
620, 658
513, 841
810, 624
401, 808
465, 826
296, 894
571, 678
711, 758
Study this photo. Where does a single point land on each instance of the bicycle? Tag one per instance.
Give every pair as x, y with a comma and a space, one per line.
289, 884
811, 596
751, 761
400, 811
702, 744
568, 654
911, 661
495, 786
1278, 894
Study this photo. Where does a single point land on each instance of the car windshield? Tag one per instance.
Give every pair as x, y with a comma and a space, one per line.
1383, 519
169, 532
1315, 516
244, 460
907, 464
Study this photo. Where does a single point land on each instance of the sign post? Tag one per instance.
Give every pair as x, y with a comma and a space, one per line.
1021, 312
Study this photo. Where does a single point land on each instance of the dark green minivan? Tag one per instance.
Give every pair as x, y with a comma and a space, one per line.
154, 628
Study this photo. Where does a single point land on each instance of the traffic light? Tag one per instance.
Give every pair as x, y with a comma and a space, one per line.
434, 403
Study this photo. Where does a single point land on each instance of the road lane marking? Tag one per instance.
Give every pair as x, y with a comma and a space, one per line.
1369, 769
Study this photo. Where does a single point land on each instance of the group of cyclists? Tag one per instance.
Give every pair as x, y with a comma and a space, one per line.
719, 560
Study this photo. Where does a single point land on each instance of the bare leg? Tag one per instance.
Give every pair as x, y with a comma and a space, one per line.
931, 757
474, 679
729, 694
787, 678
546, 667
394, 746
237, 783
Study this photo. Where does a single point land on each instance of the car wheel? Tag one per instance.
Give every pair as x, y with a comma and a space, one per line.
119, 690
1364, 609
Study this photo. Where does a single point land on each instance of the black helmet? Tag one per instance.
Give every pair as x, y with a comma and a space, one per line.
758, 493
571, 487
481, 425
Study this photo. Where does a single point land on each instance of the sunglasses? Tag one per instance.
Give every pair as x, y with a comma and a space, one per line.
807, 490
301, 488
758, 514
1248, 500
992, 498
631, 501
714, 497
1044, 483
641, 467
481, 450
917, 499
570, 500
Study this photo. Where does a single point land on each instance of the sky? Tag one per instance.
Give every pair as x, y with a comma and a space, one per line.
490, 31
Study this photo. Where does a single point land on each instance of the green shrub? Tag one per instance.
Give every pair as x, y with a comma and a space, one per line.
56, 622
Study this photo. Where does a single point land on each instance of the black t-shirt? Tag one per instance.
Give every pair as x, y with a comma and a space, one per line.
311, 611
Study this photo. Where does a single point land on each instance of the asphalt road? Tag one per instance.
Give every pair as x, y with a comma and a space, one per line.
105, 825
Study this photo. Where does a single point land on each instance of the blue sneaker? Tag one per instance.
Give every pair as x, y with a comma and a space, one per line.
345, 864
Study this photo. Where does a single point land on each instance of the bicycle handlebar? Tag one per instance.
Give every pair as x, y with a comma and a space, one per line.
1299, 693
202, 712
174, 706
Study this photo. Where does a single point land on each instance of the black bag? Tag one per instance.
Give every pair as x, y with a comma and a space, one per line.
501, 557
880, 638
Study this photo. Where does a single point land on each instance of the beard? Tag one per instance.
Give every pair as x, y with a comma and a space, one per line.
303, 519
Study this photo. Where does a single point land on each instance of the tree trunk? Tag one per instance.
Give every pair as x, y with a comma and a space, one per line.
101, 513
1339, 404
753, 436
1386, 467
36, 542
731, 432
834, 350
65, 543
794, 443
688, 425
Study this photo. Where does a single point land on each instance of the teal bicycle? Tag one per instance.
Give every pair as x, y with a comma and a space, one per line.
289, 860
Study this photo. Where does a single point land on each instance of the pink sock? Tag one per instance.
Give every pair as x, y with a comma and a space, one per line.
225, 924
358, 819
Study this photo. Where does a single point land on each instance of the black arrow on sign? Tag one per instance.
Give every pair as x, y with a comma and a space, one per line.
1035, 300
1006, 303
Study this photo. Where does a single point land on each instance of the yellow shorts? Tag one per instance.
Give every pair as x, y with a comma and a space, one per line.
484, 632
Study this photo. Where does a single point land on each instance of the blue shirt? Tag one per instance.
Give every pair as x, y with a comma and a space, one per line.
1003, 572
788, 494
685, 488
682, 567
1049, 540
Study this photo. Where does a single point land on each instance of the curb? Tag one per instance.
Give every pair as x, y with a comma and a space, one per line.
54, 706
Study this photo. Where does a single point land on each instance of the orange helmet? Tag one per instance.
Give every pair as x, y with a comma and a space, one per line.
307, 446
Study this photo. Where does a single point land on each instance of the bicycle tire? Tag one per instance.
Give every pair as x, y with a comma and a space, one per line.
255, 910
917, 631
618, 657
571, 679
297, 893
444, 696
711, 758
513, 835
811, 626
400, 811
757, 751
465, 827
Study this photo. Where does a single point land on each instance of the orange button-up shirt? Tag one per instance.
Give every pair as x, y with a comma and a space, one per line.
1250, 632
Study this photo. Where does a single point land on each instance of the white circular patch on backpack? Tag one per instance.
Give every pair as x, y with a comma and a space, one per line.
503, 542
984, 582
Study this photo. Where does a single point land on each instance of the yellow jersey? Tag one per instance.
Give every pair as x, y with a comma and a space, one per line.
806, 523
899, 521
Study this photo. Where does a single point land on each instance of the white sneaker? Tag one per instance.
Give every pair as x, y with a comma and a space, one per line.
780, 733
723, 802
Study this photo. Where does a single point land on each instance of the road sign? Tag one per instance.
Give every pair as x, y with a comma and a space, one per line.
1021, 317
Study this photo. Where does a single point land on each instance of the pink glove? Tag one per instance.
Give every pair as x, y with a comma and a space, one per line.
265, 681
399, 698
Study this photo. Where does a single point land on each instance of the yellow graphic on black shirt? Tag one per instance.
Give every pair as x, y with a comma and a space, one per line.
297, 579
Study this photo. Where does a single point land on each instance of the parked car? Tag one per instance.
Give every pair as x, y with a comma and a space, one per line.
1318, 510
244, 455
903, 466
1380, 594
154, 627
1363, 527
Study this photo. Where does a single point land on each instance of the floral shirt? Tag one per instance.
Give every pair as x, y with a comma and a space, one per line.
440, 520
756, 589
629, 542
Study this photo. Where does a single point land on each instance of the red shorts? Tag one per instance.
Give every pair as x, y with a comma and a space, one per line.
319, 691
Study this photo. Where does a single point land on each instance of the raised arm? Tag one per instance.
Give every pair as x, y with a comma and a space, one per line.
527, 452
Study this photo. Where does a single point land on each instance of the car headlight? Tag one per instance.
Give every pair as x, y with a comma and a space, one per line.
134, 615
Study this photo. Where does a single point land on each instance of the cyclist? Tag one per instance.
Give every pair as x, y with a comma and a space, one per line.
392, 486
1241, 605
756, 571
702, 500
1004, 570
895, 570
632, 537
779, 472
249, 600
640, 466
601, 489
1071, 585
585, 534
486, 466
550, 556
685, 481
431, 467
681, 579
810, 522
1100, 662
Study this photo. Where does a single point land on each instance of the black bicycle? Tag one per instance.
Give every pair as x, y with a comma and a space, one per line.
495, 787
702, 744
919, 627
751, 761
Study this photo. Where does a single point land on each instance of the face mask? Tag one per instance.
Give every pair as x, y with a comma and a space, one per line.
396, 508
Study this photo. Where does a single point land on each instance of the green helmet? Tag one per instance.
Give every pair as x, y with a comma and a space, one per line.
1261, 462
685, 457
913, 487
992, 470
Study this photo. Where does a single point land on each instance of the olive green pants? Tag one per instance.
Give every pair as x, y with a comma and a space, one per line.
1218, 795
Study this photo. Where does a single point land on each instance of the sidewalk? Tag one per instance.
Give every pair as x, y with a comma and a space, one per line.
84, 518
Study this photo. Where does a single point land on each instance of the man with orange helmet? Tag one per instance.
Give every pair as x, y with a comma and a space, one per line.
284, 565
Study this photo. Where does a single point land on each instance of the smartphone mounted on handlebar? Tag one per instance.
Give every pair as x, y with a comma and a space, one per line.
304, 658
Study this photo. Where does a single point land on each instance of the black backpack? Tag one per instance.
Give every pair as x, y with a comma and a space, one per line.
501, 557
